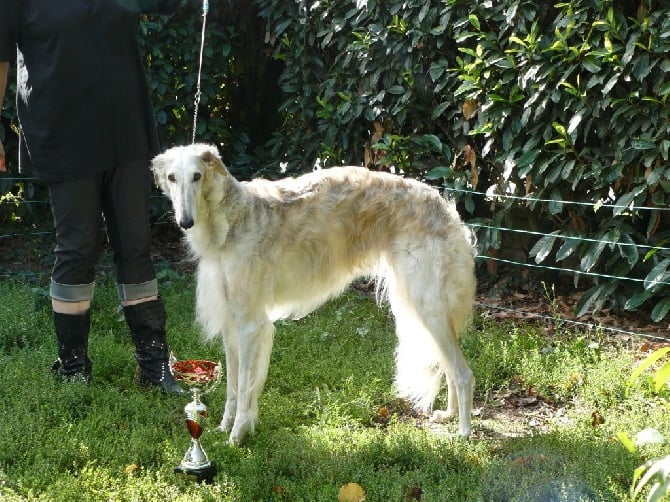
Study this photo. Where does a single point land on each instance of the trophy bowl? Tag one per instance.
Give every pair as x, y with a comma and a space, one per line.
200, 376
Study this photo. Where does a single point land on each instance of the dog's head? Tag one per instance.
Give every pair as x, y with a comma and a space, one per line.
182, 173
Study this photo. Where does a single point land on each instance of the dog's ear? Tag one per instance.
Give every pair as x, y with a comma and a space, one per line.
158, 166
212, 160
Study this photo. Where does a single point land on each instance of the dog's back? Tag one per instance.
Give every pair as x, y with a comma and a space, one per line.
320, 231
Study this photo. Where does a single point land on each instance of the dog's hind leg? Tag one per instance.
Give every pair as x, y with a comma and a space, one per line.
426, 352
460, 383
255, 347
429, 312
440, 416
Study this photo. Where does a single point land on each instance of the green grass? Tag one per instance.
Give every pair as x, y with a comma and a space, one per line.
328, 413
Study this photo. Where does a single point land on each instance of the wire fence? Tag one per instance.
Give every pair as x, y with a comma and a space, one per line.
528, 264
539, 235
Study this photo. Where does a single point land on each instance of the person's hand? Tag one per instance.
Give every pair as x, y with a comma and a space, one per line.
3, 166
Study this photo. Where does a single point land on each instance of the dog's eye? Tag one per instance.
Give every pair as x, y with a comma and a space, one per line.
171, 178
197, 176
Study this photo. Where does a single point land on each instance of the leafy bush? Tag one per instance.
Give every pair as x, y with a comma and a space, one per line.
357, 81
566, 102
238, 83
562, 106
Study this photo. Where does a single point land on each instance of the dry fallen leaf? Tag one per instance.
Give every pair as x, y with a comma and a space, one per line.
469, 108
578, 223
372, 156
642, 12
529, 184
524, 401
474, 177
382, 417
469, 156
351, 492
596, 419
492, 264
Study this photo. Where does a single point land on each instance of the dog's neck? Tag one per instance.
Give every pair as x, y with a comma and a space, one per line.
215, 221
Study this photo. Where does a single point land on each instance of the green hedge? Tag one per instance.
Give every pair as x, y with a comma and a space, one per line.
548, 102
555, 101
239, 90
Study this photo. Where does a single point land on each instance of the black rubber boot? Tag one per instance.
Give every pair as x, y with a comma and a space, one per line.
72, 331
146, 321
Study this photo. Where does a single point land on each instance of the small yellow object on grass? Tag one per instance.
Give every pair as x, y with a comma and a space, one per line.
351, 492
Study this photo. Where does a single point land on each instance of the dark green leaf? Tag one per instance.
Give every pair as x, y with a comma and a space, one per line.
591, 256
437, 69
591, 64
624, 202
661, 309
567, 248
628, 249
555, 206
643, 144
428, 141
587, 300
438, 173
636, 300
543, 247
659, 274
439, 110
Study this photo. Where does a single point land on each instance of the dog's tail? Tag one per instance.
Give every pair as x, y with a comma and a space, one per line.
431, 298
418, 375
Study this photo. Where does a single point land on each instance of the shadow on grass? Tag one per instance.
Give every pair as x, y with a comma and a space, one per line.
313, 462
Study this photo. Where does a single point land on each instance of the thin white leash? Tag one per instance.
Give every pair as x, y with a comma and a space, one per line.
198, 93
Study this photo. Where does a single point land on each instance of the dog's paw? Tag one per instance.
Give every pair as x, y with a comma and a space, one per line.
244, 425
442, 416
464, 431
226, 424
238, 434
234, 440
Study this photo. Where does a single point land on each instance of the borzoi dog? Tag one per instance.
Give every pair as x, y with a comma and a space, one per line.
273, 249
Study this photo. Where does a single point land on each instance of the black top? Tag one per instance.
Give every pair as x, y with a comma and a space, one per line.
82, 97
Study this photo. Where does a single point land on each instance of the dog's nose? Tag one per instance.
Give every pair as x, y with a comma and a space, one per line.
186, 223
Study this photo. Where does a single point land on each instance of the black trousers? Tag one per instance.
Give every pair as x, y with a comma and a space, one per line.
119, 200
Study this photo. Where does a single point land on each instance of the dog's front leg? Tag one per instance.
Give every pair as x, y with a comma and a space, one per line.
232, 372
255, 347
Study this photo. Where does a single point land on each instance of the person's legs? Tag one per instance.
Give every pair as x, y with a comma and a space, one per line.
126, 210
76, 209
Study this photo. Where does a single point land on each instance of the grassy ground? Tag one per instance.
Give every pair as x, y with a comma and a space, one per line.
547, 411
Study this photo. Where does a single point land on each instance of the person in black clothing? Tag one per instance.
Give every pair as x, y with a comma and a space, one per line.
87, 130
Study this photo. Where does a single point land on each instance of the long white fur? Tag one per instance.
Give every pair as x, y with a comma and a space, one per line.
274, 249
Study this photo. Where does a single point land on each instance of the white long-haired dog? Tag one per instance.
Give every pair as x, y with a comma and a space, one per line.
273, 249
